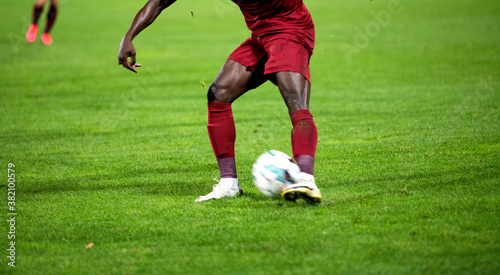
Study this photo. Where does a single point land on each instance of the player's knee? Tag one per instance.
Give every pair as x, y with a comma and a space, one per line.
216, 93
211, 93
39, 3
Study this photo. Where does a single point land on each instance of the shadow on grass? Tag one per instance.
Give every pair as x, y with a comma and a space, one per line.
459, 181
164, 181
435, 179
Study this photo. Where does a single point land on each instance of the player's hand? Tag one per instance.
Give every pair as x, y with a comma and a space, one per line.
127, 50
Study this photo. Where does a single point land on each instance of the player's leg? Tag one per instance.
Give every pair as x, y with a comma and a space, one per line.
233, 80
295, 90
51, 18
289, 56
33, 28
37, 11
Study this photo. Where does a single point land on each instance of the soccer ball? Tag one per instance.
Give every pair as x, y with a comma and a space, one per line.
273, 171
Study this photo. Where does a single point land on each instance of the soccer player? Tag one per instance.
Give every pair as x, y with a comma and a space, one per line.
51, 18
278, 50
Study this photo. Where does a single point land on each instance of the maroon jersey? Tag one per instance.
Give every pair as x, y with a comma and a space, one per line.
274, 16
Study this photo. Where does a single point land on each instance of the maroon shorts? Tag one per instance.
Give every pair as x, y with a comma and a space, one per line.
277, 53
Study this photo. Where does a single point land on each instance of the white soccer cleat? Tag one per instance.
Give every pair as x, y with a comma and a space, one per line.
305, 189
227, 187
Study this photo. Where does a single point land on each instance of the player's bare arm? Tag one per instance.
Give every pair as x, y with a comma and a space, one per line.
142, 20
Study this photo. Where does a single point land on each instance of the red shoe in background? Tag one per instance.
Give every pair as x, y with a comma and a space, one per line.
31, 33
46, 38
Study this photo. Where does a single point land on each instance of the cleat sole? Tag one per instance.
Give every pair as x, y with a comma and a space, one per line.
307, 194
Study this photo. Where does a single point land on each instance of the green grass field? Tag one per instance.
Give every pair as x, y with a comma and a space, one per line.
405, 95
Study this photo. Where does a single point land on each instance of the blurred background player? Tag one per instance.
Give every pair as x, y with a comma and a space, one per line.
51, 18
279, 50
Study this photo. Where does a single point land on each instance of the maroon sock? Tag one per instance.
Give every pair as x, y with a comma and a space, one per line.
51, 17
37, 11
227, 168
304, 140
306, 164
222, 134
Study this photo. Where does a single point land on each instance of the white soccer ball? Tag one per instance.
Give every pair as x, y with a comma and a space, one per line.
273, 171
